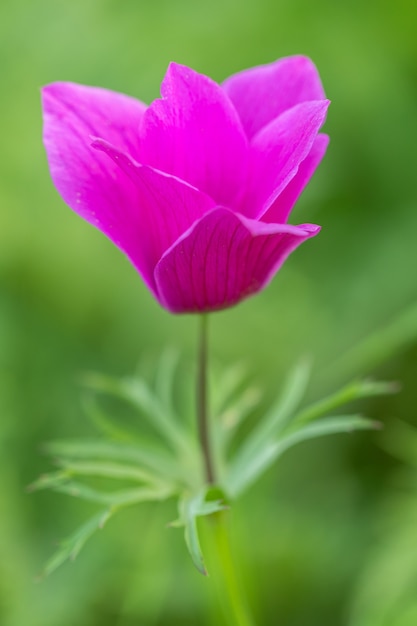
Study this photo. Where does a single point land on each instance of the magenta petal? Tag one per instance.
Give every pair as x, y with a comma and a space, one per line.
262, 93
223, 259
88, 181
277, 152
195, 133
281, 208
72, 114
164, 208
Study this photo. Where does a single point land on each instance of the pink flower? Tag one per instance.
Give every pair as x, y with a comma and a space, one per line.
196, 188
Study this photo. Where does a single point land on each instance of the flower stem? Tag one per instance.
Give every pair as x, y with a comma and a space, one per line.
228, 589
224, 573
202, 410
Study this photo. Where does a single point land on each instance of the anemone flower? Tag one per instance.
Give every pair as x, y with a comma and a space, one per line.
197, 187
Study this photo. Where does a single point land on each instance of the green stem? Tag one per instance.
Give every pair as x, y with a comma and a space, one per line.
226, 581
224, 573
202, 412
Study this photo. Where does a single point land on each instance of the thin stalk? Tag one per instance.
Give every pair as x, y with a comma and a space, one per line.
202, 408
224, 573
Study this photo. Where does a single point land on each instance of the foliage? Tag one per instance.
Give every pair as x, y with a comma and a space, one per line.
171, 465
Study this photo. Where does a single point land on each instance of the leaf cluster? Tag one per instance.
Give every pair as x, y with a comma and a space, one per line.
169, 465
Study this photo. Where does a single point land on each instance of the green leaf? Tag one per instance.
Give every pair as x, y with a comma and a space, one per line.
226, 387
48, 481
190, 508
275, 420
104, 423
69, 548
193, 543
153, 459
123, 497
328, 426
280, 414
242, 474
227, 425
165, 380
61, 483
353, 391
235, 415
108, 470
138, 394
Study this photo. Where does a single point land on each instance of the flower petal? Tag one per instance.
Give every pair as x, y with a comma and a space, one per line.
262, 93
281, 208
72, 114
163, 209
223, 259
88, 181
194, 133
277, 152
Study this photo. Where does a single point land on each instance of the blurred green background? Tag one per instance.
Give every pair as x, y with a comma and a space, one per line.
330, 535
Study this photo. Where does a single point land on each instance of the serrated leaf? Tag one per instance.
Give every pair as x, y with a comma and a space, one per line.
242, 475
353, 391
70, 548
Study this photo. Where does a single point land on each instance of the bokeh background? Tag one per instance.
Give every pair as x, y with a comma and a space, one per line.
329, 536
